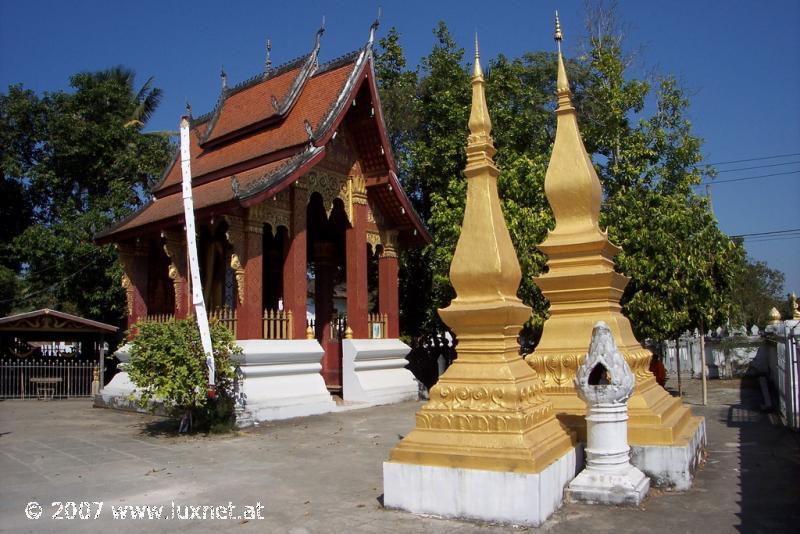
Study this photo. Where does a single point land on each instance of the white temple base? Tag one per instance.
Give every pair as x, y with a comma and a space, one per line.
673, 466
119, 394
496, 496
281, 379
374, 371
628, 486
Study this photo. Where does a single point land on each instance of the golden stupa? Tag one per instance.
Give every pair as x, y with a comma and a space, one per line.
583, 288
488, 410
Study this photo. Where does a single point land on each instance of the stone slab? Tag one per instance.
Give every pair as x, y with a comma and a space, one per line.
495, 496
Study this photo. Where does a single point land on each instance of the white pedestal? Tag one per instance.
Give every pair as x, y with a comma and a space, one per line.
595, 487
281, 379
373, 371
673, 466
496, 496
120, 392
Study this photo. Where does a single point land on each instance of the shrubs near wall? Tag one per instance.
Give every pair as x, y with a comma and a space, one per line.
168, 366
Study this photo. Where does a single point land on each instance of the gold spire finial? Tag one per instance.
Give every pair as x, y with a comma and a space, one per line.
562, 83
477, 71
479, 144
557, 36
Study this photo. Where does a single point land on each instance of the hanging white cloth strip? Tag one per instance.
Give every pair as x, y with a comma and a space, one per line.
191, 245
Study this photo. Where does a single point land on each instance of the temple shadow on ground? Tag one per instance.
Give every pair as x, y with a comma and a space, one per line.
769, 465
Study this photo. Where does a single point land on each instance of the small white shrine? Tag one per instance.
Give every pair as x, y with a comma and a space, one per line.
605, 382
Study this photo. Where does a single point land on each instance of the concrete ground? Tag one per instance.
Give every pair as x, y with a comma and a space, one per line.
323, 473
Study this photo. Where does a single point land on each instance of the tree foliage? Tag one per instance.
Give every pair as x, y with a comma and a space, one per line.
757, 290
77, 161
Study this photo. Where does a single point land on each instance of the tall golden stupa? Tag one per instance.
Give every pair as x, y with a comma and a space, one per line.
583, 288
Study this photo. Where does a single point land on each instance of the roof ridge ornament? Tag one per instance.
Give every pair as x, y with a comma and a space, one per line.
224, 78
268, 60
373, 27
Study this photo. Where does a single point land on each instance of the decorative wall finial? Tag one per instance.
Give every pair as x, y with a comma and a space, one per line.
188, 109
223, 77
268, 61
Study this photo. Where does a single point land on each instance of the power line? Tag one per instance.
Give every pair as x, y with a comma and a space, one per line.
759, 167
714, 182
753, 159
773, 232
27, 296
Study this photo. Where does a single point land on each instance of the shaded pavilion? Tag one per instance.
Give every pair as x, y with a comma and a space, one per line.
18, 331
293, 180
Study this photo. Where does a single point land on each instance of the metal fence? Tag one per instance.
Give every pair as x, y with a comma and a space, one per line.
46, 379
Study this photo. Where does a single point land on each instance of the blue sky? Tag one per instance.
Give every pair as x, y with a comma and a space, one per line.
740, 60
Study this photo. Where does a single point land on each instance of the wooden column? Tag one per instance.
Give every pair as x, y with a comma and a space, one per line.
295, 278
388, 277
356, 245
175, 248
324, 268
246, 237
133, 257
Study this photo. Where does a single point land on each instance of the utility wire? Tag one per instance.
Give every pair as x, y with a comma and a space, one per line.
751, 159
50, 287
773, 232
742, 179
759, 167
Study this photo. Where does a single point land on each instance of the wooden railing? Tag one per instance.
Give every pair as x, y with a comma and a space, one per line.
226, 316
160, 317
377, 325
277, 324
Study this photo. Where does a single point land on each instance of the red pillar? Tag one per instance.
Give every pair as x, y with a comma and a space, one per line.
324, 266
388, 293
295, 277
250, 310
357, 290
134, 279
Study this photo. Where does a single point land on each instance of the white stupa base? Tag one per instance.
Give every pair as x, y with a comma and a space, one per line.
628, 486
672, 467
495, 496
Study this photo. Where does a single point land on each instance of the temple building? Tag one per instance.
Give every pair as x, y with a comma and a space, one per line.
295, 194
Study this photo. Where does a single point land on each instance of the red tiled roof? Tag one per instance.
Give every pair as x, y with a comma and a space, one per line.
204, 196
252, 105
312, 105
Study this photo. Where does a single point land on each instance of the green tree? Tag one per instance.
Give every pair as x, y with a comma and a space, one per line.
90, 165
682, 267
757, 290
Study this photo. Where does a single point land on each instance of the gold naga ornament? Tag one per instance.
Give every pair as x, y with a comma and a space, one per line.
487, 411
583, 288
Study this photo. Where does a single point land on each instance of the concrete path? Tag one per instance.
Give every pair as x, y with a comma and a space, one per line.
323, 474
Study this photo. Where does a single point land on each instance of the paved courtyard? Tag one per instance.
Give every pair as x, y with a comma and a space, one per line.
323, 473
